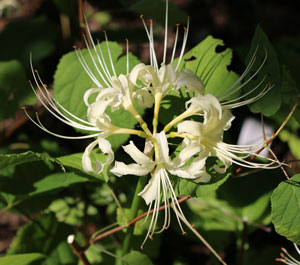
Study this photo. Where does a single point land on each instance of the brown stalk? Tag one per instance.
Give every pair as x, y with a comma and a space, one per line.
77, 250
121, 227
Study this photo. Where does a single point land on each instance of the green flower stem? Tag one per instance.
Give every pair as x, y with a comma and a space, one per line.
182, 116
138, 117
181, 135
158, 98
129, 131
133, 213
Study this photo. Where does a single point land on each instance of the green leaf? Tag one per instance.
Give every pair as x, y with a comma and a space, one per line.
16, 194
39, 40
22, 158
47, 236
71, 82
21, 259
289, 89
287, 49
271, 102
286, 209
214, 220
250, 195
293, 142
212, 214
15, 92
37, 179
136, 258
211, 66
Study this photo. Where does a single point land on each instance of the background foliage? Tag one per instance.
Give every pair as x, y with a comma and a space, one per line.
46, 196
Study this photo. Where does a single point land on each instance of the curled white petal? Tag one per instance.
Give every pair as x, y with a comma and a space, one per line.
96, 110
143, 166
88, 93
189, 80
191, 127
105, 147
121, 169
138, 156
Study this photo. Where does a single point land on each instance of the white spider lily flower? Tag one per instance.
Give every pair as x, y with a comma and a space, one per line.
207, 136
112, 90
98, 123
288, 258
160, 182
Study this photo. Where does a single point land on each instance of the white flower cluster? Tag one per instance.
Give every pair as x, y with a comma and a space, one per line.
148, 85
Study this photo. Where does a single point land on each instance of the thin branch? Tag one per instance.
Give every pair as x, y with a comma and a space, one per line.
269, 148
77, 250
274, 135
81, 18
121, 227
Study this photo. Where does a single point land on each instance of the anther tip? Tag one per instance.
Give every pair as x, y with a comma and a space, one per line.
284, 250
74, 47
126, 40
177, 25
150, 237
184, 233
36, 113
45, 85
185, 28
23, 108
36, 71
141, 15
151, 21
280, 260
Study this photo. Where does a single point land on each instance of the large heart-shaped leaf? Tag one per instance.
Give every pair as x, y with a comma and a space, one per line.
286, 209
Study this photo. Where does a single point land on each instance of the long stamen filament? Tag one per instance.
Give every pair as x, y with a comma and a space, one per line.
175, 43
166, 32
